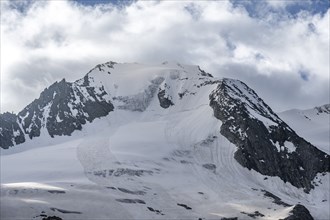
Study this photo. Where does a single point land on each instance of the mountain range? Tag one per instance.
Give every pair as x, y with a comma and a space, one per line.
165, 141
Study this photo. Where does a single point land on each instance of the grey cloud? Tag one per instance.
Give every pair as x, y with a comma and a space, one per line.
45, 71
194, 10
46, 37
29, 79
304, 74
273, 58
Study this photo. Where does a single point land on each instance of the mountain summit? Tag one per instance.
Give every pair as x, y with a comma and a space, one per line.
148, 126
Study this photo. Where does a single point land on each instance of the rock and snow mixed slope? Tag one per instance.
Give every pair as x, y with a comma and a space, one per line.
312, 124
265, 143
133, 141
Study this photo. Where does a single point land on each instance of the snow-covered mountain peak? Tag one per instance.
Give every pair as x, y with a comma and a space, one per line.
169, 131
131, 78
65, 106
102, 67
243, 94
264, 141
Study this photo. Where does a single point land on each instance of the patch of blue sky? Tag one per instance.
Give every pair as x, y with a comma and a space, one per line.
313, 6
291, 8
117, 3
304, 74
21, 6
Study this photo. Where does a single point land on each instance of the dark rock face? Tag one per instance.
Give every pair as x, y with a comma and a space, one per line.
164, 101
254, 214
184, 206
52, 218
158, 212
276, 199
203, 73
265, 143
131, 201
299, 212
210, 166
73, 105
136, 192
10, 131
61, 109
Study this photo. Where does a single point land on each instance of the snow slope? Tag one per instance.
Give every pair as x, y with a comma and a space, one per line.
312, 124
143, 161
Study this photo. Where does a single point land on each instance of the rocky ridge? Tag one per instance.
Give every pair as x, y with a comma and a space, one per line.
265, 143
60, 110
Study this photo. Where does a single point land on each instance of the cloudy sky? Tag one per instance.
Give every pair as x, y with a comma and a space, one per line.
279, 48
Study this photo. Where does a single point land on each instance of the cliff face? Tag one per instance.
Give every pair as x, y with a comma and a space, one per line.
61, 109
265, 143
10, 130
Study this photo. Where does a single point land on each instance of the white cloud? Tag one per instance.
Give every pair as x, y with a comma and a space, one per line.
51, 40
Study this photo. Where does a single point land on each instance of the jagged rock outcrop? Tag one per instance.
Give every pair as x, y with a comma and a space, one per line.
265, 143
164, 100
10, 130
299, 212
60, 110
